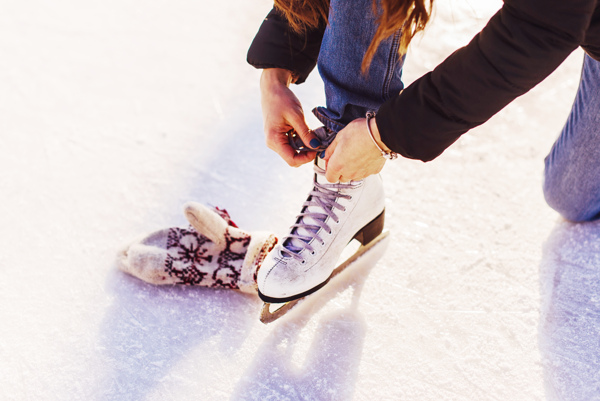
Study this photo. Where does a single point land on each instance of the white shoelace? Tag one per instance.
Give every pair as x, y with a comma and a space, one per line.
320, 205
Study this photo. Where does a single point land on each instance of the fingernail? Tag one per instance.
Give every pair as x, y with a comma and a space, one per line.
315, 143
322, 155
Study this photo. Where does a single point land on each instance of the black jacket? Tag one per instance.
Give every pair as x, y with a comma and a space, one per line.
522, 44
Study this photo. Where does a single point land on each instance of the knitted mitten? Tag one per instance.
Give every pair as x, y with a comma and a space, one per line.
212, 252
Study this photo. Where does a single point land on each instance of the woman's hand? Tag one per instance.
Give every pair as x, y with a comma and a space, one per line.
282, 112
353, 155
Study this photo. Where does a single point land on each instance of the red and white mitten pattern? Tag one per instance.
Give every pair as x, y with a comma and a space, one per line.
212, 252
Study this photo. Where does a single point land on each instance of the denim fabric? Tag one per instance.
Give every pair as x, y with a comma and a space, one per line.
349, 93
572, 174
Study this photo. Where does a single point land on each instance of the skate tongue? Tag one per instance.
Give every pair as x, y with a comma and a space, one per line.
310, 227
309, 223
320, 163
319, 168
326, 136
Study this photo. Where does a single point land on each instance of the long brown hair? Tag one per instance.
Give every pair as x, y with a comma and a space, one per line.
410, 15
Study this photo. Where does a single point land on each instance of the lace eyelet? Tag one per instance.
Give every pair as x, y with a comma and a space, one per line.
303, 262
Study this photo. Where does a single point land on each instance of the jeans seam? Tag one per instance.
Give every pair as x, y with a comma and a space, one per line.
392, 59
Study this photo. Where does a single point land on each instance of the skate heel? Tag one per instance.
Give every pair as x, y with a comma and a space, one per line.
369, 232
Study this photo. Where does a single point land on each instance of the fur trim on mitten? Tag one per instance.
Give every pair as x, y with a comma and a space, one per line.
212, 252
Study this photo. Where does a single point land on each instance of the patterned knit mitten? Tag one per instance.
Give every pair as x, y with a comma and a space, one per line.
212, 252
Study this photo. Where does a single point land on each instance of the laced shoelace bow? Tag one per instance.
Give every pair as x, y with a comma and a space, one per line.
325, 197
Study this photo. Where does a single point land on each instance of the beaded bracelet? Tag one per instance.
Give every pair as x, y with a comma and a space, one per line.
387, 155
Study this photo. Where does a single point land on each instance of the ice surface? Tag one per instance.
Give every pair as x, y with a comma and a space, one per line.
115, 113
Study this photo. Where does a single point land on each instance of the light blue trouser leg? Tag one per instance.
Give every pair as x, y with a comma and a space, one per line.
572, 175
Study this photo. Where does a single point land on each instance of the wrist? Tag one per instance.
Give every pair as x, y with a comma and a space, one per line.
381, 147
280, 76
376, 136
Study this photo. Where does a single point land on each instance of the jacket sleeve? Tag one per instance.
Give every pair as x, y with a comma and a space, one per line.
276, 45
521, 45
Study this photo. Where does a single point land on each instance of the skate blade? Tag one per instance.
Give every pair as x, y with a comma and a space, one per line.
273, 311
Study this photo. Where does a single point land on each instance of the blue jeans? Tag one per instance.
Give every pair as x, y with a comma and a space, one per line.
572, 174
349, 93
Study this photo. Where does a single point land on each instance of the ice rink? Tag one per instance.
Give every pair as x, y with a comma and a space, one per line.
115, 113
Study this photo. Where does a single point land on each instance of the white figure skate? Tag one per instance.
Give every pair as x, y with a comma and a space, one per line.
331, 217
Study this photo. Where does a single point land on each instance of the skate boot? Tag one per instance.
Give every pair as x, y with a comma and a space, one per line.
331, 217
212, 252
